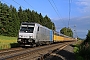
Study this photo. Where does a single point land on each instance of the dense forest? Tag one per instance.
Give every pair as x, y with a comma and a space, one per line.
10, 19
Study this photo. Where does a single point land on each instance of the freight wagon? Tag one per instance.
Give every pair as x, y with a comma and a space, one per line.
57, 37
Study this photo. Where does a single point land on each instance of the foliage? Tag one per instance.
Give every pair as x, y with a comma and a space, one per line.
10, 19
66, 31
8, 45
76, 49
8, 42
88, 36
13, 45
4, 46
82, 51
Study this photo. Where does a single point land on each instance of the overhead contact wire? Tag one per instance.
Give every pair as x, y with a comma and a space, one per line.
18, 3
57, 11
29, 4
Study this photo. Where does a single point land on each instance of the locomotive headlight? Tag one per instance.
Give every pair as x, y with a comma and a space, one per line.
30, 37
20, 35
29, 40
19, 39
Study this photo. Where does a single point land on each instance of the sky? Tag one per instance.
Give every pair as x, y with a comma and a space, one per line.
59, 12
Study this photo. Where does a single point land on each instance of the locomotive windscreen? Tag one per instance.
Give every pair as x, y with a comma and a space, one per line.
27, 29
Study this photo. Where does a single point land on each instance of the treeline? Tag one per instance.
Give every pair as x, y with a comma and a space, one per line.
67, 31
10, 19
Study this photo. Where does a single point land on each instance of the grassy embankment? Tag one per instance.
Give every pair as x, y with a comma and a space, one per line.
7, 42
82, 50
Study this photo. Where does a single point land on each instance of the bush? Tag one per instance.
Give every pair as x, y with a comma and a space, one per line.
79, 58
13, 45
4, 46
82, 51
76, 49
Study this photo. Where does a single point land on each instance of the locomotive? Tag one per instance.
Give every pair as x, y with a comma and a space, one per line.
32, 34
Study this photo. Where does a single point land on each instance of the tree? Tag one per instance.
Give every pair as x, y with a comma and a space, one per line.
10, 19
14, 23
34, 17
20, 14
88, 36
48, 23
67, 31
1, 18
41, 19
28, 13
4, 19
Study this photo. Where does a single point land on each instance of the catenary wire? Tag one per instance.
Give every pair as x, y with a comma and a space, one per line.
55, 6
18, 3
29, 4
55, 10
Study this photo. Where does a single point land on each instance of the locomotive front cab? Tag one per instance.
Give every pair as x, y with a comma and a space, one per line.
26, 34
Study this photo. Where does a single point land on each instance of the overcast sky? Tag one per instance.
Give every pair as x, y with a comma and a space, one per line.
58, 12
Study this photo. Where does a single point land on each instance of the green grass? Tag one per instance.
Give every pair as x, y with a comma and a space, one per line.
11, 39
7, 42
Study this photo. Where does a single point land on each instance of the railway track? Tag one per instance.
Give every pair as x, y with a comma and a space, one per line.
32, 53
11, 49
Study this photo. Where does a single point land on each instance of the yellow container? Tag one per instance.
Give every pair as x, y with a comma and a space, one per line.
58, 38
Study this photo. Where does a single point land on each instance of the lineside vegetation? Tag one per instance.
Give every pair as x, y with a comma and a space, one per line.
7, 42
82, 51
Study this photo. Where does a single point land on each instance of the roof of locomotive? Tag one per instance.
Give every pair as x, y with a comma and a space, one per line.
27, 23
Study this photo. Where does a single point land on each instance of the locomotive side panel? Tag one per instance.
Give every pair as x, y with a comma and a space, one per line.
43, 34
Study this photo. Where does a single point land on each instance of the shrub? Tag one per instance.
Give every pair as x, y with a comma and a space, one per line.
13, 45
